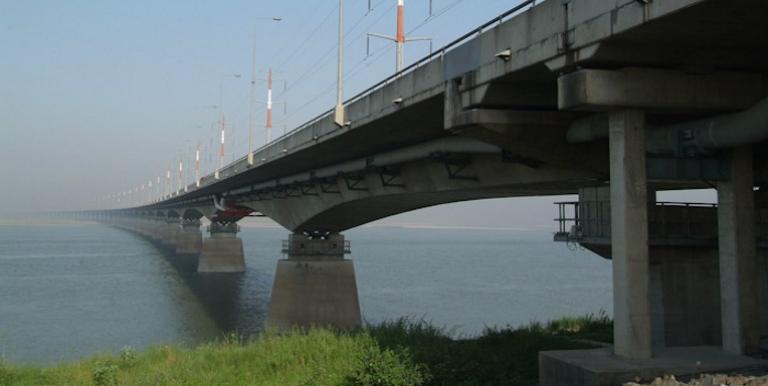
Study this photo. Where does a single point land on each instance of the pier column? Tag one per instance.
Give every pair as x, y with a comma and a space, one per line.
736, 238
223, 251
189, 239
629, 235
315, 285
172, 228
156, 228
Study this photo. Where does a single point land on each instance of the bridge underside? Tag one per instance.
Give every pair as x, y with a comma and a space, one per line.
627, 96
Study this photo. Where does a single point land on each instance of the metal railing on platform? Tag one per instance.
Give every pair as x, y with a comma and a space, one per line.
297, 249
682, 221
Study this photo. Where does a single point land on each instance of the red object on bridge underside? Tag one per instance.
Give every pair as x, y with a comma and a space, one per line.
232, 214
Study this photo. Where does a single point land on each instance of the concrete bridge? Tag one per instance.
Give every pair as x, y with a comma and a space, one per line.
617, 98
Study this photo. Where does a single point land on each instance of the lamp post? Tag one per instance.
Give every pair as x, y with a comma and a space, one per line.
338, 117
222, 121
251, 114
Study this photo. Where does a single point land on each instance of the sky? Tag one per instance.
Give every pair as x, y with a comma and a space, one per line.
98, 97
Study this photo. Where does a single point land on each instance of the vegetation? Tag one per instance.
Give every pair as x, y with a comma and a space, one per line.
402, 352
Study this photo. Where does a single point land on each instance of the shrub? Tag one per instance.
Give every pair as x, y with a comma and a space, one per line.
128, 356
385, 367
105, 374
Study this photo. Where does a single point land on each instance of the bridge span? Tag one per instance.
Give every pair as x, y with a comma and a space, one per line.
612, 99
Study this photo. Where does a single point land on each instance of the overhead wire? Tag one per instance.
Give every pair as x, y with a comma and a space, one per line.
309, 37
321, 62
355, 69
284, 44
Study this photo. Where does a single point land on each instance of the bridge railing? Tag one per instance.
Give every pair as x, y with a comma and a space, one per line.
233, 167
439, 53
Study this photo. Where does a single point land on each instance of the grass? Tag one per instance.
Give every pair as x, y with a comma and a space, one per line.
402, 352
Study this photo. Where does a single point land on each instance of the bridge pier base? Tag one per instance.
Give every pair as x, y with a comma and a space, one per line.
169, 235
189, 239
315, 285
223, 251
156, 229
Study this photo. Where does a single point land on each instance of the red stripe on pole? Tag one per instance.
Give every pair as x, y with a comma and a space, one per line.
400, 37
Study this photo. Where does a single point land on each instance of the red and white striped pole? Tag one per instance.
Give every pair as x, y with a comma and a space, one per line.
221, 146
181, 172
269, 107
197, 165
400, 35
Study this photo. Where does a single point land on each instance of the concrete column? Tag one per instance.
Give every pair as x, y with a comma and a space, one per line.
172, 228
189, 239
315, 285
223, 251
155, 229
736, 237
629, 235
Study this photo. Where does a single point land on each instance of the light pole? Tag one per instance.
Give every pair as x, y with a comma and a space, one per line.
400, 39
339, 111
251, 114
222, 121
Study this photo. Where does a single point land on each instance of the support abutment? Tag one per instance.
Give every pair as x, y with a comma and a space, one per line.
629, 235
190, 238
315, 285
171, 232
223, 251
737, 250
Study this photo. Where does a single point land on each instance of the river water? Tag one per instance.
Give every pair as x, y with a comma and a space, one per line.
69, 290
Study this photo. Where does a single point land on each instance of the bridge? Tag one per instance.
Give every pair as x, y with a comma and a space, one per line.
610, 100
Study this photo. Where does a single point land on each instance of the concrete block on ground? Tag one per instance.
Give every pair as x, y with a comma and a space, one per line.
599, 367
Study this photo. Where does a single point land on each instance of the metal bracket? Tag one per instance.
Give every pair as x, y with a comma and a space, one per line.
308, 189
355, 182
508, 157
391, 178
293, 191
455, 166
329, 186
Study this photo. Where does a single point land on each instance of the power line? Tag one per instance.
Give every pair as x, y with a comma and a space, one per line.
285, 44
312, 34
354, 70
319, 65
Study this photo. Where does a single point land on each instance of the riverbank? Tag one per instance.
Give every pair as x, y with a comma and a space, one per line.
402, 352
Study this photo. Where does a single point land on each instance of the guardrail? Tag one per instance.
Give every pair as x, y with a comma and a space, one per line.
666, 220
209, 179
438, 53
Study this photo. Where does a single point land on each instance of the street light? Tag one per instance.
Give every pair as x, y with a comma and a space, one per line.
339, 111
251, 114
222, 122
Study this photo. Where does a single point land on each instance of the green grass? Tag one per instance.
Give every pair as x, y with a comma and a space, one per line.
402, 352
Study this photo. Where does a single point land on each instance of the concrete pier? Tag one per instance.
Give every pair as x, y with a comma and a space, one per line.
170, 233
315, 285
738, 277
189, 240
629, 235
223, 251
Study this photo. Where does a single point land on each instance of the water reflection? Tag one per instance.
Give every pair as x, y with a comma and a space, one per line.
236, 302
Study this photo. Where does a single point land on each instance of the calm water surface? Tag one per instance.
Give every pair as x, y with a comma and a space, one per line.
71, 290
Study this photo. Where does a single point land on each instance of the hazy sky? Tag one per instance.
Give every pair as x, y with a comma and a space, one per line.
99, 96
